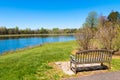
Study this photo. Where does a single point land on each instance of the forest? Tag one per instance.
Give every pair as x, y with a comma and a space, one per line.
16, 30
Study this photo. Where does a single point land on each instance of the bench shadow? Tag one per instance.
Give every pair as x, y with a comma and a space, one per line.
92, 68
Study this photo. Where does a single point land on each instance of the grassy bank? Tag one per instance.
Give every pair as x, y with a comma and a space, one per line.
32, 64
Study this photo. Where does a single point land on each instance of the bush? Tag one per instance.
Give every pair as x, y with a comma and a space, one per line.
106, 35
84, 37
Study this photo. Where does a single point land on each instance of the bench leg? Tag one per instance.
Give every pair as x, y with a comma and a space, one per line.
109, 65
75, 69
71, 65
102, 64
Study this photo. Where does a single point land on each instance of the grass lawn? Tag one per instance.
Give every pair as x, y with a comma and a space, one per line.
32, 63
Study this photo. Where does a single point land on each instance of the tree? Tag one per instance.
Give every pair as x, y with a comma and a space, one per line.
84, 37
114, 17
55, 30
11, 31
44, 31
87, 33
92, 19
28, 31
3, 30
101, 21
106, 35
73, 30
67, 30
17, 30
117, 39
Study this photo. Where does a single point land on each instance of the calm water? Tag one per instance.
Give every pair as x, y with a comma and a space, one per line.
9, 44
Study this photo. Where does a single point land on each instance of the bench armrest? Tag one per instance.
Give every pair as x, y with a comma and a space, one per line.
72, 57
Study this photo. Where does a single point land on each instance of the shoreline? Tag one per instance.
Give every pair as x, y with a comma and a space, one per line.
26, 48
20, 49
30, 35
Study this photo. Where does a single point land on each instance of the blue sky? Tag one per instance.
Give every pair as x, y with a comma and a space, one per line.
51, 13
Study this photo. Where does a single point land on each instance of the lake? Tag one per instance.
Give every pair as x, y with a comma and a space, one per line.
14, 43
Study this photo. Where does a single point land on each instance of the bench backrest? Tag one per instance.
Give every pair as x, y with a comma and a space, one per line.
94, 56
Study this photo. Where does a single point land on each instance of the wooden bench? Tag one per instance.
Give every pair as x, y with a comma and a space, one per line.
90, 56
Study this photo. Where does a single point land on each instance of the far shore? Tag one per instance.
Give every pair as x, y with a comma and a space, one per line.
29, 35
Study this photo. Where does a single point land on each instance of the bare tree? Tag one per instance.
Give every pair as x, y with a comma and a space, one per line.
84, 37
106, 35
87, 32
101, 21
117, 39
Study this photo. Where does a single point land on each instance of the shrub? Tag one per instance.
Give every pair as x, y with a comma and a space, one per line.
106, 35
84, 37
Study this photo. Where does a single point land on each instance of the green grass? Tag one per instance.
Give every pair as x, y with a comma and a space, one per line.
116, 64
32, 63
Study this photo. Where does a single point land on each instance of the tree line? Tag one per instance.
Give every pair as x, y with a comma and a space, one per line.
16, 30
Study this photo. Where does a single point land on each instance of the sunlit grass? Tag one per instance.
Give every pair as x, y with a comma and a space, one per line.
116, 64
29, 63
